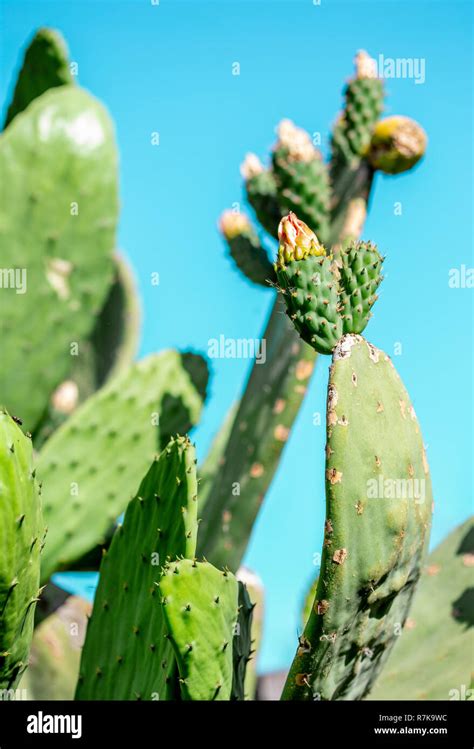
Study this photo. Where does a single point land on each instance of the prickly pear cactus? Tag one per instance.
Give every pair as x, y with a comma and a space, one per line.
325, 297
245, 248
262, 193
126, 654
21, 541
397, 144
92, 463
57, 236
430, 659
378, 512
200, 606
45, 66
302, 178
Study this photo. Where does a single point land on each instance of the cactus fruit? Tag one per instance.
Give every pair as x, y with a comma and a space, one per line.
378, 511
245, 248
93, 462
200, 606
21, 541
45, 66
302, 177
397, 144
126, 654
325, 297
431, 658
64, 140
261, 191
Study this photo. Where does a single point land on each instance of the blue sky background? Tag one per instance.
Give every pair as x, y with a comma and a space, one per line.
168, 68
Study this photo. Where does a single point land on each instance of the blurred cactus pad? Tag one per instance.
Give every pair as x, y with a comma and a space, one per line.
95, 445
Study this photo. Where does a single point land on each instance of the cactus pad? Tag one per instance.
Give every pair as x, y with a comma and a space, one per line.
58, 233
92, 463
242, 644
245, 248
21, 540
261, 189
302, 178
45, 66
126, 654
430, 661
378, 512
200, 605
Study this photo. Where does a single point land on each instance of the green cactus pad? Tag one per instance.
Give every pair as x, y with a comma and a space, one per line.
45, 66
378, 512
126, 654
364, 105
431, 658
57, 234
250, 256
200, 605
303, 187
326, 298
92, 463
263, 197
242, 644
21, 540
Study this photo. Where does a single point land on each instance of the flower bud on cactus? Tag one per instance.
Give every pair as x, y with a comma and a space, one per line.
297, 241
398, 143
232, 224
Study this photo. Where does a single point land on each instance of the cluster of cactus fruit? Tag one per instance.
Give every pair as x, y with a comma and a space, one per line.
167, 624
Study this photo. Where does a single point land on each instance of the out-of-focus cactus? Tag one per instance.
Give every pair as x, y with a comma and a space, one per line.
126, 654
57, 236
397, 144
55, 653
200, 607
245, 248
45, 66
431, 660
21, 542
302, 178
261, 189
91, 464
110, 350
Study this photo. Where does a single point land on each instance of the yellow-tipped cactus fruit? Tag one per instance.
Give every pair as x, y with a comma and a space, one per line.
398, 143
